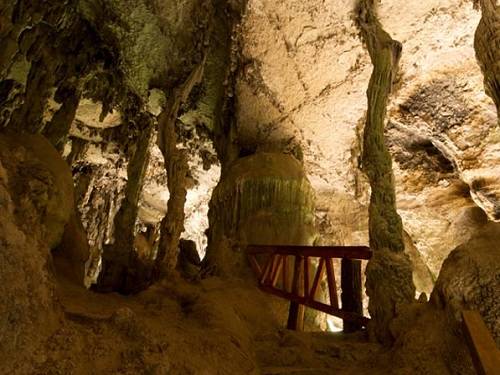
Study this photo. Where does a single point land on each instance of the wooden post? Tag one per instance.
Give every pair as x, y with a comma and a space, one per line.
483, 349
277, 269
267, 269
284, 280
296, 312
306, 276
332, 284
317, 279
352, 300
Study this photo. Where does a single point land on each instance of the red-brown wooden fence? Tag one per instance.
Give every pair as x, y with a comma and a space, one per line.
299, 284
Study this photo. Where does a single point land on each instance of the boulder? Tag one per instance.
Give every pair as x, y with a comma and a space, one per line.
470, 279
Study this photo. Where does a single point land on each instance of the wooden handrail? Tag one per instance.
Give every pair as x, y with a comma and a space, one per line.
347, 315
483, 349
349, 252
304, 283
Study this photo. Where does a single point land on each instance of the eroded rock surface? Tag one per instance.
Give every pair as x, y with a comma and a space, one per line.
34, 209
278, 107
470, 279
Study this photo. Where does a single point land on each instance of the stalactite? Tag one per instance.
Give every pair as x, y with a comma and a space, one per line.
221, 72
487, 46
57, 129
389, 273
29, 116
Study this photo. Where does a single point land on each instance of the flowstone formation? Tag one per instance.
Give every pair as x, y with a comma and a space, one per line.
261, 199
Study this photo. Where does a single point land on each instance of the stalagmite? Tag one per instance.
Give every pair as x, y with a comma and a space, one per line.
389, 274
58, 128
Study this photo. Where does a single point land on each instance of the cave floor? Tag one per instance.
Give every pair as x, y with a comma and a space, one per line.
209, 327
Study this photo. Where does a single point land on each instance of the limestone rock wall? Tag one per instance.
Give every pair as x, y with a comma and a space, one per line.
302, 84
35, 205
290, 77
441, 129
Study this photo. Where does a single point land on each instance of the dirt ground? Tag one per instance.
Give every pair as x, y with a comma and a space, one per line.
210, 327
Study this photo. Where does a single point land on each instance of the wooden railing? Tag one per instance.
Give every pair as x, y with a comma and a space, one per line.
483, 349
299, 282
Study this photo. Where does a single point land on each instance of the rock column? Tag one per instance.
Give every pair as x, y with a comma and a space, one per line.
389, 273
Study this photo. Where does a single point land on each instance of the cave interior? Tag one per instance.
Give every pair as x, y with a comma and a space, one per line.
167, 166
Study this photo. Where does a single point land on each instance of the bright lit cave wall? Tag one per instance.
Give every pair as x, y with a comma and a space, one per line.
442, 127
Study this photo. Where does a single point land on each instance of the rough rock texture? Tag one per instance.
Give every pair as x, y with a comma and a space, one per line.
445, 160
176, 166
385, 227
278, 96
121, 267
422, 275
470, 279
389, 283
442, 128
54, 55
203, 175
48, 178
66, 329
92, 76
424, 331
284, 103
60, 204
263, 199
216, 326
34, 208
100, 176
